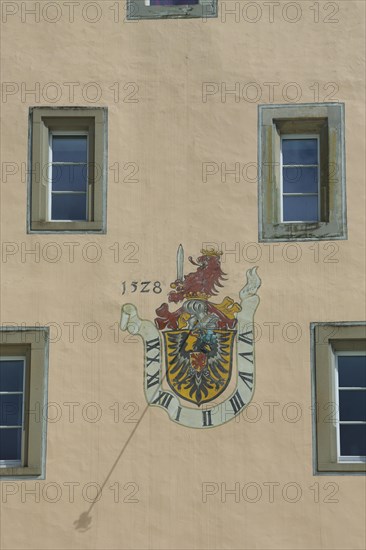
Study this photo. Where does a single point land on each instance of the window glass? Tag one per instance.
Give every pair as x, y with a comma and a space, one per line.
353, 439
352, 404
352, 370
68, 206
11, 375
300, 179
11, 409
69, 183
300, 208
69, 148
11, 444
71, 177
300, 151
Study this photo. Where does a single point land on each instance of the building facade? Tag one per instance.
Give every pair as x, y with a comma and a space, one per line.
183, 335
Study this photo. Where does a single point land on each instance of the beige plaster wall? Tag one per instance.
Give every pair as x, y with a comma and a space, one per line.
168, 132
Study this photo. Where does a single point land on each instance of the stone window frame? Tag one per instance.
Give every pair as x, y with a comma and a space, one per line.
33, 344
42, 121
327, 121
326, 339
137, 10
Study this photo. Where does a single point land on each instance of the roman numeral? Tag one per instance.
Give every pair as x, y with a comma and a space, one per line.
248, 355
207, 418
153, 379
152, 360
243, 337
178, 414
236, 402
164, 398
153, 344
247, 378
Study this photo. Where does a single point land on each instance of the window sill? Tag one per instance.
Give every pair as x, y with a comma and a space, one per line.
67, 227
20, 472
339, 467
312, 231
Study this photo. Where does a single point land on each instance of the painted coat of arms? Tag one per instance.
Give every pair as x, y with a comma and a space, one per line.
190, 352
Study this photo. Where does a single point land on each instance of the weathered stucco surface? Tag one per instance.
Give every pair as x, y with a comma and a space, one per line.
161, 125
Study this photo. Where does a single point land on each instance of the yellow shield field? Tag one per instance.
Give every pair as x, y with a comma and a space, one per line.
198, 363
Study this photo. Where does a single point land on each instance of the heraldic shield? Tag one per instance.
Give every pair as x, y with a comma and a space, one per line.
190, 353
199, 362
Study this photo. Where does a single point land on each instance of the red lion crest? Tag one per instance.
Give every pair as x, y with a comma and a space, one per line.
199, 285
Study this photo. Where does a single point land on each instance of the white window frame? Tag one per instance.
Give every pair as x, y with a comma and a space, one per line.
336, 354
50, 170
16, 463
283, 194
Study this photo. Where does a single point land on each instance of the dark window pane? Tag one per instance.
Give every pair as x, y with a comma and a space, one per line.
11, 375
352, 370
11, 410
69, 178
300, 180
10, 444
353, 439
303, 209
172, 2
69, 148
69, 207
352, 405
300, 151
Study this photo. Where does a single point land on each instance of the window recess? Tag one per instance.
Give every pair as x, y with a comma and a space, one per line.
302, 192
339, 397
68, 179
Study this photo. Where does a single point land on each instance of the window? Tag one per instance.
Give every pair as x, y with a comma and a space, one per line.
339, 393
302, 172
300, 178
68, 170
23, 389
351, 396
160, 9
68, 199
12, 394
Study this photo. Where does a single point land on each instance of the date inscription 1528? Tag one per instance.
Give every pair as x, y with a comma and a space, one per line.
141, 286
